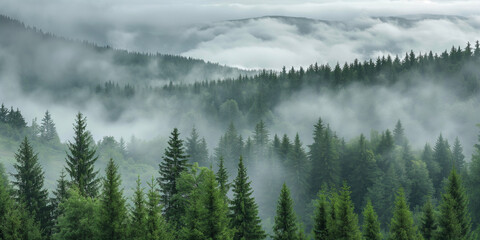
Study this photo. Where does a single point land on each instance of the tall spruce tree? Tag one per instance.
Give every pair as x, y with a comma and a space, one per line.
320, 227
346, 219
48, 131
173, 164
244, 211
82, 158
455, 222
113, 212
298, 166
371, 225
196, 148
399, 134
60, 194
428, 224
442, 156
222, 179
138, 214
215, 222
285, 227
402, 226
29, 188
474, 182
458, 157
157, 227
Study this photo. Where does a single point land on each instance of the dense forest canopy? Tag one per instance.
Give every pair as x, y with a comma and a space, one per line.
236, 164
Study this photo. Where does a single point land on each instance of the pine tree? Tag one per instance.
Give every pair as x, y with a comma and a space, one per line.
215, 217
474, 182
401, 226
285, 227
298, 166
244, 211
113, 213
222, 179
173, 164
81, 159
29, 188
285, 147
157, 227
196, 148
138, 223
428, 224
455, 222
458, 157
230, 147
48, 131
320, 227
189, 185
442, 156
346, 219
371, 225
399, 134
3, 114
60, 194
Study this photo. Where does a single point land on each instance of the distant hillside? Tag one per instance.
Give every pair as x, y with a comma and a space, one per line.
41, 60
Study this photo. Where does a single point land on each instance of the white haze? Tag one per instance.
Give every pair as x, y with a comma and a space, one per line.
201, 28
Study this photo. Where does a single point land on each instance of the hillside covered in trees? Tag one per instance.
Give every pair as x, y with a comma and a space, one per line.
233, 166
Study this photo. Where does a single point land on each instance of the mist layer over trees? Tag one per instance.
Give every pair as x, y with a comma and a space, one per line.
245, 170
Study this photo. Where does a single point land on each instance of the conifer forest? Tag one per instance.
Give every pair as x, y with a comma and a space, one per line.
240, 120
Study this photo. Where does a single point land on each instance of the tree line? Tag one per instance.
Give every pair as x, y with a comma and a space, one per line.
188, 201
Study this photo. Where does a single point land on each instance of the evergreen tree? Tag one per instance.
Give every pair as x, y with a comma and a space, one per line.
48, 131
364, 170
79, 219
298, 166
428, 224
442, 156
458, 157
285, 147
113, 213
474, 182
285, 227
320, 227
371, 225
399, 134
60, 194
196, 148
215, 217
346, 219
401, 226
455, 222
29, 188
173, 164
230, 147
222, 179
244, 211
81, 159
138, 223
157, 227
3, 114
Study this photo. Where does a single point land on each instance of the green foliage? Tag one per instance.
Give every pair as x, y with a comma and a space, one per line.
320, 226
401, 226
196, 149
157, 227
48, 131
138, 214
244, 211
443, 157
80, 218
29, 189
455, 222
428, 223
474, 182
285, 227
113, 212
346, 221
81, 159
173, 164
222, 179
371, 225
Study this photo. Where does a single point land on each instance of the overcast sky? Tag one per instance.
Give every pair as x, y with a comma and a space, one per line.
200, 28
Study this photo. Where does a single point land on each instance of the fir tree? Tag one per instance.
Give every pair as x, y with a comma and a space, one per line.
157, 227
455, 222
401, 226
399, 134
244, 211
442, 156
60, 194
371, 225
428, 224
320, 227
474, 182
458, 157
81, 159
298, 166
346, 219
173, 164
285, 227
215, 220
113, 213
48, 131
222, 178
196, 148
138, 223
29, 188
